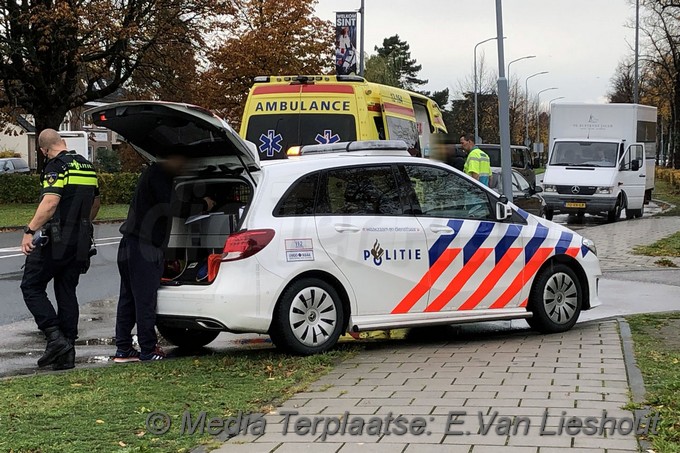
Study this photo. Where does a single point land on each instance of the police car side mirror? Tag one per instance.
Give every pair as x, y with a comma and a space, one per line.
503, 210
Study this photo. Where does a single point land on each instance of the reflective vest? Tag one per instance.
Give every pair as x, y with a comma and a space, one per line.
478, 162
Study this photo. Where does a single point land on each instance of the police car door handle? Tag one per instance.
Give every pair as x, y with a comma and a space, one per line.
445, 229
343, 228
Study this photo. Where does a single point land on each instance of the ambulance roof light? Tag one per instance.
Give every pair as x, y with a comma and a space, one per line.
349, 78
261, 79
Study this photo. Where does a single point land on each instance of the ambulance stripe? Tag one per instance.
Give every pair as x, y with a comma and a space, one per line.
535, 242
524, 276
277, 89
398, 109
425, 283
563, 243
345, 89
476, 241
502, 265
459, 280
442, 243
504, 244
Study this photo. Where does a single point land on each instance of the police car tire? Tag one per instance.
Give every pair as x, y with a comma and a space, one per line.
308, 318
558, 313
187, 338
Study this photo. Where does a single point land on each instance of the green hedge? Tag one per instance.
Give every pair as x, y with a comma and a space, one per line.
113, 188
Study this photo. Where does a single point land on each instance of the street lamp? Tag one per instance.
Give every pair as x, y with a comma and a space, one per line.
526, 107
538, 113
517, 59
475, 82
552, 100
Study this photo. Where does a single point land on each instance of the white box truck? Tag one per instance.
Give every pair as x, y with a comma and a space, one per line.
601, 159
77, 141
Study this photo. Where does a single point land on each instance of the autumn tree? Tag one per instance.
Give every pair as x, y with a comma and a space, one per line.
264, 37
397, 57
58, 55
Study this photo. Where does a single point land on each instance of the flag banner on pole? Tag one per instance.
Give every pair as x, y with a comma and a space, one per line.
346, 43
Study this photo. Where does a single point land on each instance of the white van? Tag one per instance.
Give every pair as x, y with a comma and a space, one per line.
601, 159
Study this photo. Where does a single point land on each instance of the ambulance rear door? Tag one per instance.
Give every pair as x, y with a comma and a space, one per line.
280, 116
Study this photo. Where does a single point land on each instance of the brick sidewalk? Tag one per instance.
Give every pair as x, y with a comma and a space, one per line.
580, 372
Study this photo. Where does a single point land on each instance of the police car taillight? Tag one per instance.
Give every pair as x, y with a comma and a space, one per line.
246, 243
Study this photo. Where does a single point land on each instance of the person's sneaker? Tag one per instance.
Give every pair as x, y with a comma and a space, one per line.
130, 355
156, 354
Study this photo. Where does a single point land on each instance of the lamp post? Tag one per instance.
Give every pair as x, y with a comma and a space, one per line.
475, 82
517, 59
526, 106
538, 115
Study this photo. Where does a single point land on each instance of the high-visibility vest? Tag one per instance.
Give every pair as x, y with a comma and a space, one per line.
478, 162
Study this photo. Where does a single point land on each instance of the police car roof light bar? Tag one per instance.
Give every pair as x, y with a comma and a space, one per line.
380, 147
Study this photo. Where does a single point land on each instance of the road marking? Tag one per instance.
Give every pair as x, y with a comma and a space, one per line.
18, 249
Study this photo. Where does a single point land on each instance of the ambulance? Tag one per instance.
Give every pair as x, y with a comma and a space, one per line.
283, 113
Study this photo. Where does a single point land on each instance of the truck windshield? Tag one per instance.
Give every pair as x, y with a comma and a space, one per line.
274, 134
584, 154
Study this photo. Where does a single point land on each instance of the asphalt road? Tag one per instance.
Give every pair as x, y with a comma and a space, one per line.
101, 282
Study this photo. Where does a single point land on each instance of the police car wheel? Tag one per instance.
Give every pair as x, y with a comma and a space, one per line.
187, 338
555, 299
308, 318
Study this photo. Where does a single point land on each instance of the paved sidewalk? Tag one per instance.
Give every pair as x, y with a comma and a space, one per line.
543, 378
615, 240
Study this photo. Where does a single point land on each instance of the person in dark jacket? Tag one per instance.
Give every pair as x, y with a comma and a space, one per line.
57, 244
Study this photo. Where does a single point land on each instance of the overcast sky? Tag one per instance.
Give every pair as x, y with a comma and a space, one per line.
580, 42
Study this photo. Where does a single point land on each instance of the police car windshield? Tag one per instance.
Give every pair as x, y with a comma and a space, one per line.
275, 134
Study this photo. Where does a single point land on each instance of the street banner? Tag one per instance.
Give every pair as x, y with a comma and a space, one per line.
346, 43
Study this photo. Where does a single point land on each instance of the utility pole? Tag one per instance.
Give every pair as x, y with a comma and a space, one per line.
361, 42
503, 108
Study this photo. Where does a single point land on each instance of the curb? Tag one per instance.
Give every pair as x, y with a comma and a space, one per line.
635, 380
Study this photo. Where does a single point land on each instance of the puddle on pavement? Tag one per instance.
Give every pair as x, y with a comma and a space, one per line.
96, 342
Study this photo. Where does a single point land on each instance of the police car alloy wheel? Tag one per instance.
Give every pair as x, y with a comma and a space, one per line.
309, 317
555, 300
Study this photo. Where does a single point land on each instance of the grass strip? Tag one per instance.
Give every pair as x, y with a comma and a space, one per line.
13, 215
657, 353
105, 409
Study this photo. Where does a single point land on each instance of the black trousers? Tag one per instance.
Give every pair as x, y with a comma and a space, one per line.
41, 267
141, 267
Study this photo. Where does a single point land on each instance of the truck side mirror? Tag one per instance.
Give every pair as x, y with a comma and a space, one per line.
635, 165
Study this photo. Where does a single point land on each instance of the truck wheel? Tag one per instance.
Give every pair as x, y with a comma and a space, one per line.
615, 214
640, 212
187, 338
555, 299
548, 214
308, 318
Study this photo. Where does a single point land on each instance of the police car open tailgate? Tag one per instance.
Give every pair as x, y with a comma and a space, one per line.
158, 129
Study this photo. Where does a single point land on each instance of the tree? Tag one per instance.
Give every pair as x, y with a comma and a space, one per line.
58, 55
440, 97
397, 54
265, 37
379, 70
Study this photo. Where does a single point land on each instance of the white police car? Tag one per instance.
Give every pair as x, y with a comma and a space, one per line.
346, 237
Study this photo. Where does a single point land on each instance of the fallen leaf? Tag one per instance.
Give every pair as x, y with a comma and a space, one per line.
122, 444
99, 421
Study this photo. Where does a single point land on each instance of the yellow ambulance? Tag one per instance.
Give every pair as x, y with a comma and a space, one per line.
286, 112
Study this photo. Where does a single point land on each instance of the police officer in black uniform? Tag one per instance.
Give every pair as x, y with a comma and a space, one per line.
68, 202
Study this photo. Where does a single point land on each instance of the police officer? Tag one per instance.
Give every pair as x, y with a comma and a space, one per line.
477, 164
69, 201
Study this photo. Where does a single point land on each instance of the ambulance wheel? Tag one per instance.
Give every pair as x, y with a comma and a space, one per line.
548, 214
308, 318
187, 338
555, 299
615, 214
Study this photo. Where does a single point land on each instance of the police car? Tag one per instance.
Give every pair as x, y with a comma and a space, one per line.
347, 237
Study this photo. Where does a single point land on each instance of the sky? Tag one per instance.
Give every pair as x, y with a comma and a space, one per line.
579, 42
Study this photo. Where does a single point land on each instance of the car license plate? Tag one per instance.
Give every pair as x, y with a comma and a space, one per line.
574, 205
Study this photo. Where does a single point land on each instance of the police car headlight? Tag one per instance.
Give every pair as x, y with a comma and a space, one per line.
606, 190
591, 245
549, 188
